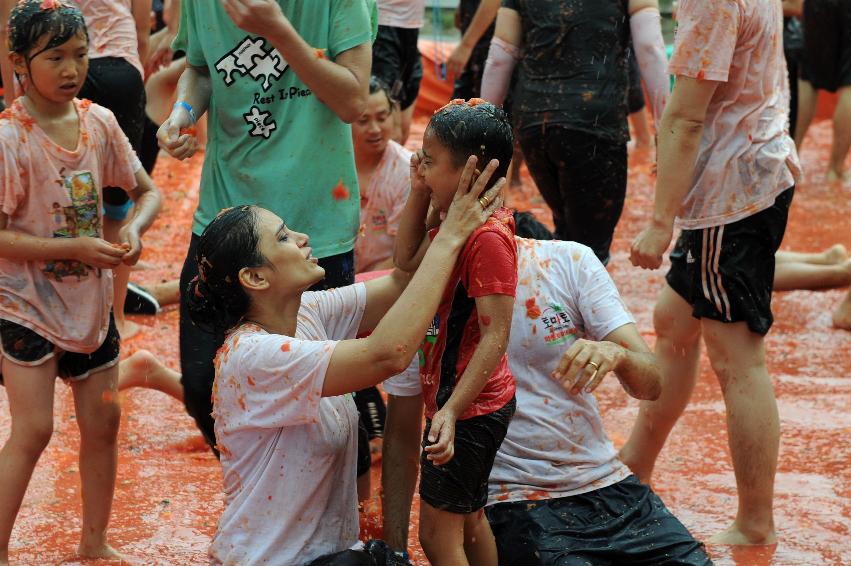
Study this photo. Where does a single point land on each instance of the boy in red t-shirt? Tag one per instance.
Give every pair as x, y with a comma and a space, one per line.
467, 387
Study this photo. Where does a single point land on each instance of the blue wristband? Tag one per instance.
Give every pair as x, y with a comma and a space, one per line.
188, 108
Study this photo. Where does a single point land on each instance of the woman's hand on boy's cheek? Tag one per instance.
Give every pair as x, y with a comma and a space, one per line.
131, 241
441, 435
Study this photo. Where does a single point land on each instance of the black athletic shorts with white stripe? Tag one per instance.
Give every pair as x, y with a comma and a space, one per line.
726, 273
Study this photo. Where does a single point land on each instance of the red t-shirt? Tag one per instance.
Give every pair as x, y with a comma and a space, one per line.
487, 266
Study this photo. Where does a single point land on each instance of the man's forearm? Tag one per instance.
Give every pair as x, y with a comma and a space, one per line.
195, 88
640, 375
678, 145
482, 20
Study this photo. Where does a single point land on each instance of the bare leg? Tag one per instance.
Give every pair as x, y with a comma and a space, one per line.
479, 543
807, 99
643, 139
98, 416
832, 255
364, 486
30, 392
753, 425
791, 275
442, 536
143, 369
678, 351
841, 136
121, 275
842, 315
167, 293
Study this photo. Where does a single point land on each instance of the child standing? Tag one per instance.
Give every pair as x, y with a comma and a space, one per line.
467, 387
56, 152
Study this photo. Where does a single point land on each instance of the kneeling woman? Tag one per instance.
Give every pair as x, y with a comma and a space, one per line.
285, 424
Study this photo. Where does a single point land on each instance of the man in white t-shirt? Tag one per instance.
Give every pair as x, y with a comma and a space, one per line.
557, 488
727, 170
396, 57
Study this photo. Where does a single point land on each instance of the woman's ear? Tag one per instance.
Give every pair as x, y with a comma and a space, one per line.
252, 279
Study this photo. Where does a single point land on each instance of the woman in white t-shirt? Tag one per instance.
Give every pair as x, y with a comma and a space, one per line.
285, 424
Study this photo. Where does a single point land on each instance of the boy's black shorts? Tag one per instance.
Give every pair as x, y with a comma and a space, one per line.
461, 485
396, 61
826, 62
28, 348
624, 523
726, 273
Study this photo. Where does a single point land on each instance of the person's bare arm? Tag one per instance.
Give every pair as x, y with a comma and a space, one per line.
142, 17
147, 202
194, 88
677, 148
400, 459
649, 45
342, 85
793, 7
482, 20
503, 55
6, 69
624, 352
357, 364
494, 326
95, 252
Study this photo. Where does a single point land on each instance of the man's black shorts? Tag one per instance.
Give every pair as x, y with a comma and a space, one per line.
25, 347
396, 60
624, 523
461, 484
826, 63
726, 273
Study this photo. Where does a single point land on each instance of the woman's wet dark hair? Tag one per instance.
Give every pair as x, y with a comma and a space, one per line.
30, 20
378, 85
216, 300
474, 127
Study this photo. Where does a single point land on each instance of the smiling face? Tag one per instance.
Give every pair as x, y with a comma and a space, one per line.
290, 266
439, 171
56, 74
371, 132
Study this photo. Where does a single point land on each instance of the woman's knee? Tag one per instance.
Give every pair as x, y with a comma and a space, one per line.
33, 434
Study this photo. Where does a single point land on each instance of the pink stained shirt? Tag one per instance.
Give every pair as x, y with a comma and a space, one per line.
408, 14
746, 156
381, 205
48, 191
112, 30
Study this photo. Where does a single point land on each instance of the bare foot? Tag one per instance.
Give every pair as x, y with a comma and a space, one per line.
834, 176
735, 537
836, 254
842, 315
104, 552
144, 369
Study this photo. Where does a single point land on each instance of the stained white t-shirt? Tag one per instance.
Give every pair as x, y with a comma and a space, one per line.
288, 454
556, 444
401, 13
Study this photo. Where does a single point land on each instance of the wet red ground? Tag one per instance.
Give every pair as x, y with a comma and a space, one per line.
169, 486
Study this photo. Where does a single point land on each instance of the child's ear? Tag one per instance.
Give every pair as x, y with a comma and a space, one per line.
252, 279
19, 64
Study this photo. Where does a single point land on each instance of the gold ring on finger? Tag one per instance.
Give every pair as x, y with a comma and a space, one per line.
596, 366
484, 202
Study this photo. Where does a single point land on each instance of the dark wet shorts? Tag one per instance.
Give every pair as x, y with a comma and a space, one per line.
396, 60
461, 485
374, 553
826, 62
27, 348
726, 273
624, 523
635, 94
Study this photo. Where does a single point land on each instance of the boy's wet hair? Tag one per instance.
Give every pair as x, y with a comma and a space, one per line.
216, 300
378, 85
30, 20
474, 127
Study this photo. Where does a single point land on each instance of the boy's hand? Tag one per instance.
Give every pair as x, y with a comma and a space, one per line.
255, 16
441, 435
131, 242
417, 181
96, 252
597, 359
650, 245
177, 135
470, 208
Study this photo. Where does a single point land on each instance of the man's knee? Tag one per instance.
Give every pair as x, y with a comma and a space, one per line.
673, 320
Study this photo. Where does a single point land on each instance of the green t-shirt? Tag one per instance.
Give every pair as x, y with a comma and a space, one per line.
271, 142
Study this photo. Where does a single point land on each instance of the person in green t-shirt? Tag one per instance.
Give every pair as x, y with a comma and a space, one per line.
281, 80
